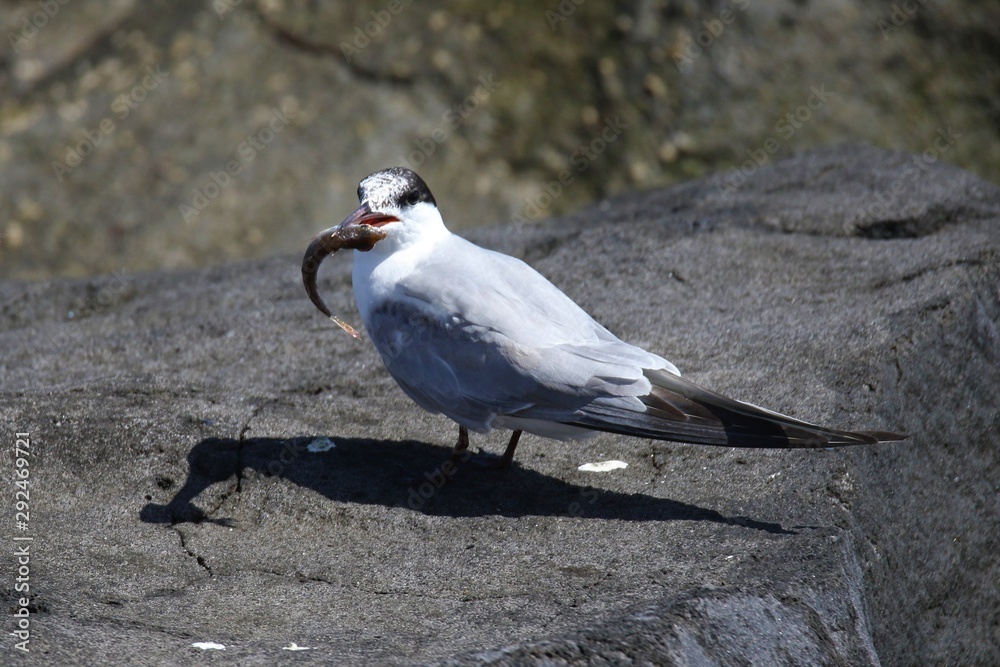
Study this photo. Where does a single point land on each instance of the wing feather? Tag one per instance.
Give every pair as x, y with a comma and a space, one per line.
474, 353
677, 409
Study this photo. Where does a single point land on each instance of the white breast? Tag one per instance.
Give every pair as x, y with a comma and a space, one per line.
378, 272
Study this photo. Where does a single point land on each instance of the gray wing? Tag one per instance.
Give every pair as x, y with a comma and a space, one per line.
472, 373
505, 343
510, 343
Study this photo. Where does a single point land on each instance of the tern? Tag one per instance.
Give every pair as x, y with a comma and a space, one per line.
486, 340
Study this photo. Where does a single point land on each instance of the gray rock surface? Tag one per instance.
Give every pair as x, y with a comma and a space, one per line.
174, 499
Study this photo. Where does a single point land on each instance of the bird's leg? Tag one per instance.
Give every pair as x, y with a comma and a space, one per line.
508, 454
461, 447
461, 453
495, 463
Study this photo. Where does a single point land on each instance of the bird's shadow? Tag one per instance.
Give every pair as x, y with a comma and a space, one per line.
372, 472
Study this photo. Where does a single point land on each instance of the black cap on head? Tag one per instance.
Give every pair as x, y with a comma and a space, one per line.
396, 187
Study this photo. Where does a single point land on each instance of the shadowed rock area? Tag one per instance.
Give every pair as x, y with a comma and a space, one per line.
176, 497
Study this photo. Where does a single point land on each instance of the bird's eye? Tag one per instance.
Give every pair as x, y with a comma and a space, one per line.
411, 198
361, 194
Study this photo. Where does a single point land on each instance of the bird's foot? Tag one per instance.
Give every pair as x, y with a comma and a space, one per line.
461, 455
488, 461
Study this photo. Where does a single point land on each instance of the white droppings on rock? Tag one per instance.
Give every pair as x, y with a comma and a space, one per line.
602, 466
292, 646
323, 444
209, 646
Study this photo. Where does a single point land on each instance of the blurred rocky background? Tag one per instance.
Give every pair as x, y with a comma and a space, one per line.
140, 135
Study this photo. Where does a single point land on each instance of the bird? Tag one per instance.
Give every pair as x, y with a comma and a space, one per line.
486, 340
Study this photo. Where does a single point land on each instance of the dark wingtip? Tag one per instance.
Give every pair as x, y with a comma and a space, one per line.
886, 436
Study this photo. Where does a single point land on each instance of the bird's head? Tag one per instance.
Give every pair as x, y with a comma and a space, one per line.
398, 202
396, 209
